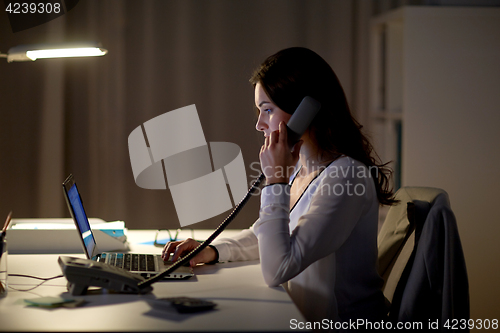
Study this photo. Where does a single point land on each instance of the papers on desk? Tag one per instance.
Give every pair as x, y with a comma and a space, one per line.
60, 236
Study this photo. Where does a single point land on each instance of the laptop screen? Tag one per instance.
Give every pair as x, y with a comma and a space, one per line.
81, 219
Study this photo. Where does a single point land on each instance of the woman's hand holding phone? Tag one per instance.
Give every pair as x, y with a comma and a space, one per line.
276, 159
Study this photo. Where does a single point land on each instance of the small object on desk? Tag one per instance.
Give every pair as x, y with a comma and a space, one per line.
53, 302
189, 304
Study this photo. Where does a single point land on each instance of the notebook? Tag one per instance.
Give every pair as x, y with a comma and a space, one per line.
145, 264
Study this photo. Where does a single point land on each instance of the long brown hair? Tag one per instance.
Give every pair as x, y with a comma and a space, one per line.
293, 73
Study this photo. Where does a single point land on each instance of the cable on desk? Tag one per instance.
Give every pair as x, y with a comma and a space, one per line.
34, 277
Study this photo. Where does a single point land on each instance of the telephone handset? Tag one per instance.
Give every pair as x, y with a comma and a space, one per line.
82, 273
301, 119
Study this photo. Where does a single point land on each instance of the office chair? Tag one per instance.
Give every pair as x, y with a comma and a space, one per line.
421, 259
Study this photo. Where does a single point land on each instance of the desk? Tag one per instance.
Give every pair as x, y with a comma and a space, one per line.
245, 302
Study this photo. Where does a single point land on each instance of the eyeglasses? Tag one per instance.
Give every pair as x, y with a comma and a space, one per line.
161, 234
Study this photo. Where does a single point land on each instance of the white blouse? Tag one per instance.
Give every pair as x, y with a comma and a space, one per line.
324, 250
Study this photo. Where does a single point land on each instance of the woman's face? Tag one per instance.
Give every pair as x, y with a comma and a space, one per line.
270, 115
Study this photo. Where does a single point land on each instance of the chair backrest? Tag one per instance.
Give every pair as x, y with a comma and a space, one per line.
396, 238
421, 258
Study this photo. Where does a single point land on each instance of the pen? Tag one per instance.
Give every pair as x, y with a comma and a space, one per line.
7, 222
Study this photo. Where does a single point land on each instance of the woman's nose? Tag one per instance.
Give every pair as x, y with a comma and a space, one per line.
261, 124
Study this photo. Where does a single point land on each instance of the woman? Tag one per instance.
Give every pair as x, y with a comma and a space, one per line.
317, 229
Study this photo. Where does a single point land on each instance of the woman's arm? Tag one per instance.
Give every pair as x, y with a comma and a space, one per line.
319, 232
243, 246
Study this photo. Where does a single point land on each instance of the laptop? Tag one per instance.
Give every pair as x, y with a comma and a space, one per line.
146, 265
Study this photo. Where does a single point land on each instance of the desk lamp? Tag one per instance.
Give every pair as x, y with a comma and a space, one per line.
40, 51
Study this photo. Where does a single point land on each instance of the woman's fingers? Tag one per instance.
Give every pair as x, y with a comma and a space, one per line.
178, 248
273, 138
184, 248
169, 248
283, 135
275, 156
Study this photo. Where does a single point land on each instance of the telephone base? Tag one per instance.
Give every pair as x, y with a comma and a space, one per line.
84, 273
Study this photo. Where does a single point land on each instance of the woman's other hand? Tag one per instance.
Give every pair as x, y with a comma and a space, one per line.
181, 248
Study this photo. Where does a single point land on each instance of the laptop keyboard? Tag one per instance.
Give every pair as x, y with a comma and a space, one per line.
131, 261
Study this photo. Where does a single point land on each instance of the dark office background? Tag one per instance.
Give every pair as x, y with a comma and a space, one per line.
64, 116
